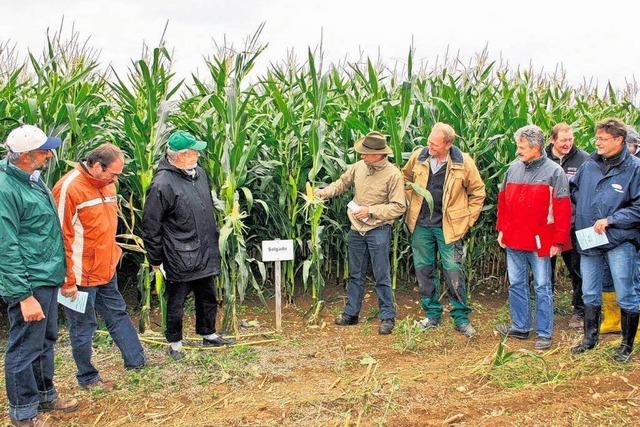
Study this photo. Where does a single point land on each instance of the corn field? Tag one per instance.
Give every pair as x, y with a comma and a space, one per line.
270, 134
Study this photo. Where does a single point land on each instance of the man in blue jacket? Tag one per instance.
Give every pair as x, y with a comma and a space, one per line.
606, 193
32, 269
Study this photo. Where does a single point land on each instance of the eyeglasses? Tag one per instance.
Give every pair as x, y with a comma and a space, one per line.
605, 139
113, 174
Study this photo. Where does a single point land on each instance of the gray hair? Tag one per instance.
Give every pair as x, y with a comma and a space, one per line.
173, 155
532, 134
13, 157
632, 136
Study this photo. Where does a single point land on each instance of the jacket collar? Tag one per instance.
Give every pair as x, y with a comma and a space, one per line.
19, 174
97, 183
616, 161
14, 171
377, 166
570, 154
534, 164
165, 164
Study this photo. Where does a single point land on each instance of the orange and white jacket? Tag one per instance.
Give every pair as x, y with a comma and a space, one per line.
88, 212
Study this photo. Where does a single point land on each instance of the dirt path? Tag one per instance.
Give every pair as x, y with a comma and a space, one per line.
328, 375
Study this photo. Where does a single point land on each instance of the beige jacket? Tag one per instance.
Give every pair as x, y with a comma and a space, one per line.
379, 186
464, 192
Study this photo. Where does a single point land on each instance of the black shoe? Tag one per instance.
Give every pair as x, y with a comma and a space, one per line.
508, 331
175, 354
591, 329
386, 326
345, 320
629, 323
218, 342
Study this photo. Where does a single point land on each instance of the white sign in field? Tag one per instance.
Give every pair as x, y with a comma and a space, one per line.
277, 250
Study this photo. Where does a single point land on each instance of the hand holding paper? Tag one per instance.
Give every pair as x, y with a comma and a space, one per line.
78, 304
355, 208
588, 238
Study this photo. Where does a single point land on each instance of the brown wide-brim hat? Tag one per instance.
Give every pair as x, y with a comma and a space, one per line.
373, 143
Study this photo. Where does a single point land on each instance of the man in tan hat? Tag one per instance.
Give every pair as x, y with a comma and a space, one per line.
378, 201
453, 180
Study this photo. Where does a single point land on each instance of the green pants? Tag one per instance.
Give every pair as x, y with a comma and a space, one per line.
425, 241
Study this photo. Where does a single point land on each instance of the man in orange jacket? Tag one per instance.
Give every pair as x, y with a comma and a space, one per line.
88, 210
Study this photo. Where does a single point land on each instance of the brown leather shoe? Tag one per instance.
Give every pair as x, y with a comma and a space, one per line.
63, 405
99, 385
37, 421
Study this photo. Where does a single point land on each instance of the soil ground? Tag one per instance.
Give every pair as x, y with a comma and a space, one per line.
341, 376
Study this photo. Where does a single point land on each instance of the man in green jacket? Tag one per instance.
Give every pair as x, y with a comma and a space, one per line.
32, 269
453, 180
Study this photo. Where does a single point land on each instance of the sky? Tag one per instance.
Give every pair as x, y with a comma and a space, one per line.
591, 39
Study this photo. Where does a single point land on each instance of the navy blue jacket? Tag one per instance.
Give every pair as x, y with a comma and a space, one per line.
614, 195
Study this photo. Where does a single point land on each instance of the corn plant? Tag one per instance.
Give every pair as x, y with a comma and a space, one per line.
312, 267
270, 134
140, 128
219, 113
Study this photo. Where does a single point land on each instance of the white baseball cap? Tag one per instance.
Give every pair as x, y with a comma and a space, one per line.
28, 138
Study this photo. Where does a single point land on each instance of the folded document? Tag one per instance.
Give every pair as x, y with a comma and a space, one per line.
588, 238
79, 304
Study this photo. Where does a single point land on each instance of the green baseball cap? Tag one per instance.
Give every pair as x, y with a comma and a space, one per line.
181, 140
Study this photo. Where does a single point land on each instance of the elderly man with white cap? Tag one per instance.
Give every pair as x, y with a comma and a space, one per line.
31, 271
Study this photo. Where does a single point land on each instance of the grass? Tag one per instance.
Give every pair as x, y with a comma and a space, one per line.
407, 336
562, 305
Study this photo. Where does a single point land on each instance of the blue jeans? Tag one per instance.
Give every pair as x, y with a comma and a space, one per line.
108, 302
28, 366
518, 264
373, 247
622, 261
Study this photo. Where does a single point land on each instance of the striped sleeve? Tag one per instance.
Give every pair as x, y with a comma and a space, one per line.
72, 230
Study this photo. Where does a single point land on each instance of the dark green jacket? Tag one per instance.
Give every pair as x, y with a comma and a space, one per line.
31, 249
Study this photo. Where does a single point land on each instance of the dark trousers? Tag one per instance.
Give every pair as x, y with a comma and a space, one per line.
372, 248
28, 363
204, 293
108, 302
571, 259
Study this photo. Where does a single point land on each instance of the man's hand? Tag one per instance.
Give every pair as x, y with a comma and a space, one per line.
320, 194
600, 225
31, 309
70, 292
502, 245
554, 250
155, 267
362, 214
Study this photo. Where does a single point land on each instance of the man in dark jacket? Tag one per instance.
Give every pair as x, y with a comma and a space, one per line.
633, 141
180, 234
606, 193
564, 152
31, 272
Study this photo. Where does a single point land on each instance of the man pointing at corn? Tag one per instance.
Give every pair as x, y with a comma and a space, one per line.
378, 201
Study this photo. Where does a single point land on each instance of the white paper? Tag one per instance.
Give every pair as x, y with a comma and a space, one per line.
588, 238
80, 303
355, 208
